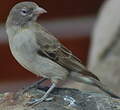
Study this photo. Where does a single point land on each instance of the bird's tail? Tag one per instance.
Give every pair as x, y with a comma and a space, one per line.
92, 81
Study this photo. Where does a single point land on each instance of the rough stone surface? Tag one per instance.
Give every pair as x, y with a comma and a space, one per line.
64, 99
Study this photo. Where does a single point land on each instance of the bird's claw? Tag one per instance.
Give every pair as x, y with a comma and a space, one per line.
37, 101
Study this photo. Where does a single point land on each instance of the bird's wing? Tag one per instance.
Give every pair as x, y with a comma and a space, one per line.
54, 50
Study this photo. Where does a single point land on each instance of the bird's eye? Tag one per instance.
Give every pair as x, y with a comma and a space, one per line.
24, 12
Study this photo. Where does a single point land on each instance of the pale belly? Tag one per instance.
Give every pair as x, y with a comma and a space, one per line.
37, 64
24, 48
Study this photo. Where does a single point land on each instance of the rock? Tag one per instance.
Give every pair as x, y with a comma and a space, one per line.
65, 99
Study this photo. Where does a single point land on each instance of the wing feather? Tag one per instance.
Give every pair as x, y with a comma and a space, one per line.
54, 50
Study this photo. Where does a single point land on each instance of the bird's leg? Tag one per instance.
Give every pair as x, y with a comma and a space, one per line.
33, 85
44, 97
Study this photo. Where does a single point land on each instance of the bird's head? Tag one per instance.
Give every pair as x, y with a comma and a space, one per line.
24, 12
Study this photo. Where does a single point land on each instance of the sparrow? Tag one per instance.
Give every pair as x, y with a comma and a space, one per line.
38, 51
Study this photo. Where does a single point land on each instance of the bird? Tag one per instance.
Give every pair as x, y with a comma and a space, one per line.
41, 53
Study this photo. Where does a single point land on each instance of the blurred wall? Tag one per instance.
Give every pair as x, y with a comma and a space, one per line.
104, 58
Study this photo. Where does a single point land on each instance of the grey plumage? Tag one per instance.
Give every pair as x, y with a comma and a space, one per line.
40, 52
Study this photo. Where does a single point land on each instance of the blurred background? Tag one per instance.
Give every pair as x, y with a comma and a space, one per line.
71, 21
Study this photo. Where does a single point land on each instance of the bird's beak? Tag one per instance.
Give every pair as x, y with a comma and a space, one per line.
39, 10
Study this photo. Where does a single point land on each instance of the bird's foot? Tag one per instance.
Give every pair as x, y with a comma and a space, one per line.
37, 101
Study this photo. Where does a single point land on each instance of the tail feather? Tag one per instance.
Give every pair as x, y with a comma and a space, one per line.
106, 90
91, 81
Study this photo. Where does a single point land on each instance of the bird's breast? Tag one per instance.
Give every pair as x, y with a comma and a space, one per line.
24, 49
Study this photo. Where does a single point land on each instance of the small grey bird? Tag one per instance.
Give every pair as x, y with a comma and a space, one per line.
40, 52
